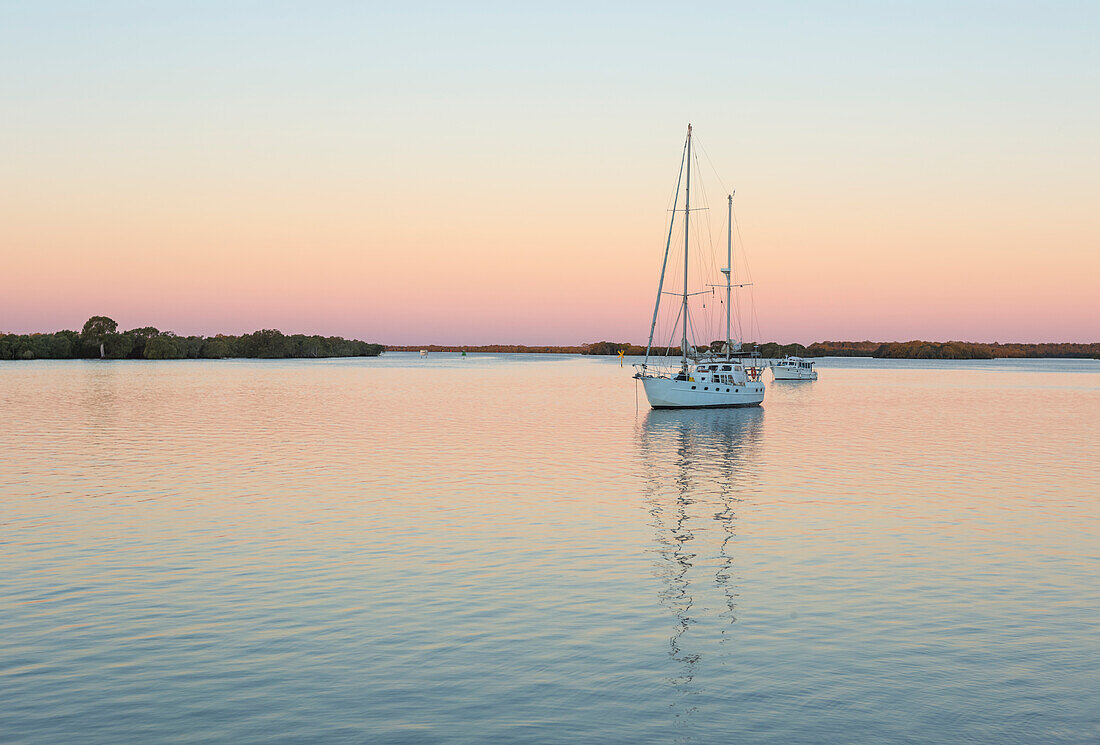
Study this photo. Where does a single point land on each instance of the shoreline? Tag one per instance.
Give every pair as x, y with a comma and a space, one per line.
911, 350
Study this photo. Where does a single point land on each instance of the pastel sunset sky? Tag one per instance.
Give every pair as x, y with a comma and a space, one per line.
499, 173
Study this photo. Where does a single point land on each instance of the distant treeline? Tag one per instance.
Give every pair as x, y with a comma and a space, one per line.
929, 350
100, 338
933, 350
768, 350
599, 347
489, 348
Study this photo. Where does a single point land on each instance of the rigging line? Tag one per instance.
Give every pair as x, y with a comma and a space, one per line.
673, 332
737, 318
668, 350
704, 247
712, 168
744, 254
710, 162
691, 323
759, 332
744, 329
754, 318
666, 327
671, 223
710, 226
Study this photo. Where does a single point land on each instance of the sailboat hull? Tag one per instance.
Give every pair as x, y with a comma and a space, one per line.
665, 393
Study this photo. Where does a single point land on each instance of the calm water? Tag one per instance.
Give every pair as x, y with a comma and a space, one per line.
509, 550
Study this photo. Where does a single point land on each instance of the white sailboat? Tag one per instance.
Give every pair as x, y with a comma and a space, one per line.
714, 380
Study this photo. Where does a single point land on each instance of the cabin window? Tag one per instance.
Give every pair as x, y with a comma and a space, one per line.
693, 388
706, 388
727, 390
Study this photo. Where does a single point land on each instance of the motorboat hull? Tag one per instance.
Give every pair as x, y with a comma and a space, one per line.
782, 373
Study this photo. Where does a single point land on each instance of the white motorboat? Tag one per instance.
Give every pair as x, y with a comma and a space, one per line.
719, 378
794, 368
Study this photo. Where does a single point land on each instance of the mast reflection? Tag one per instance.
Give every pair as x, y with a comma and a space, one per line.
697, 466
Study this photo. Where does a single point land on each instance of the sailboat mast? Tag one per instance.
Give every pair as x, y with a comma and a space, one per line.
729, 273
687, 221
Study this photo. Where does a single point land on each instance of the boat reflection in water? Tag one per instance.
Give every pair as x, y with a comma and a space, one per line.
698, 465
